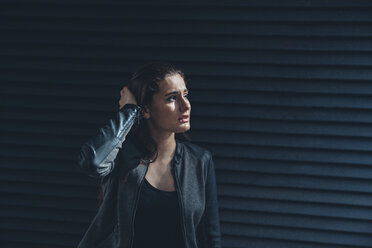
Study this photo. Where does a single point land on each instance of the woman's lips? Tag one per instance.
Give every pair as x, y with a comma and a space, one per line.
184, 118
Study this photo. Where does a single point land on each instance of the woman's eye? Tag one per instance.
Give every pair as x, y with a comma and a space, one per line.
172, 98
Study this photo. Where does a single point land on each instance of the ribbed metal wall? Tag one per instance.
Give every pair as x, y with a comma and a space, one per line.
281, 95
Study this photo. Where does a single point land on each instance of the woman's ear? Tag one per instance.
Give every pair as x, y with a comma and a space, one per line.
146, 112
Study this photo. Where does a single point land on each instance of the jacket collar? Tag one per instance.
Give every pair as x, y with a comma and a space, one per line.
177, 154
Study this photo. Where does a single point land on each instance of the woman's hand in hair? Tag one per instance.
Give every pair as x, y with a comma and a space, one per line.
126, 96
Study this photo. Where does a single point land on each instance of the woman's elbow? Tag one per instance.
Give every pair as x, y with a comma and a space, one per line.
87, 162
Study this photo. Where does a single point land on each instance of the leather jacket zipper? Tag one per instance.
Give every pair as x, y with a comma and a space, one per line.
135, 205
181, 205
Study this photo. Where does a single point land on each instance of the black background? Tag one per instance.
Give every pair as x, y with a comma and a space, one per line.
281, 94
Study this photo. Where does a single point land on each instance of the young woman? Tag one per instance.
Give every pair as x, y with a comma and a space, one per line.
158, 189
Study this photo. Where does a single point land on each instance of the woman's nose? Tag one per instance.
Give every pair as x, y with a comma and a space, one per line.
185, 104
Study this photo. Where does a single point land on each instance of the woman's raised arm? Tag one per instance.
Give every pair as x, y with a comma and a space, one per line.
97, 155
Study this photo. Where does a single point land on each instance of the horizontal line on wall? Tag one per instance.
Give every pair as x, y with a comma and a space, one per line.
251, 58
154, 40
277, 33
213, 70
296, 194
49, 202
201, 14
298, 236
46, 213
51, 239
297, 227
208, 3
292, 207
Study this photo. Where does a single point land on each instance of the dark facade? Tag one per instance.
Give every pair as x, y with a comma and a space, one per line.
281, 94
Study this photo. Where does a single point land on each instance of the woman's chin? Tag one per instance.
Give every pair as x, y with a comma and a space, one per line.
183, 128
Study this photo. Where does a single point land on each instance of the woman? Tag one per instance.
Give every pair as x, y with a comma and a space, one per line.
158, 189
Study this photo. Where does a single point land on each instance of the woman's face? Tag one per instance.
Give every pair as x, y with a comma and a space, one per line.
170, 110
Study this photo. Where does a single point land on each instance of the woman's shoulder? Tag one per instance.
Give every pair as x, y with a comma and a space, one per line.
196, 150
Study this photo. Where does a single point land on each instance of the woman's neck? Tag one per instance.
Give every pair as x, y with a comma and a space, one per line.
166, 145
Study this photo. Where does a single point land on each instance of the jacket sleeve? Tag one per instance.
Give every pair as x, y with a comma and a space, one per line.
211, 214
97, 155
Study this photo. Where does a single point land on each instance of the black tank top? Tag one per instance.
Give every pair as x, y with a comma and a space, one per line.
157, 221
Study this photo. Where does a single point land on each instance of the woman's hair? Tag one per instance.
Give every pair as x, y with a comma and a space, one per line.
144, 83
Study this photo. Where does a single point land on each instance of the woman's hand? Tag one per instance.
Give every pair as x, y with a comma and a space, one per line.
126, 97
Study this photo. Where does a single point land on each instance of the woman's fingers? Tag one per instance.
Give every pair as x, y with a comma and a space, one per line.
126, 96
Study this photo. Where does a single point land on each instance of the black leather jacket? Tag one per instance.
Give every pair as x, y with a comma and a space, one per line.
110, 155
